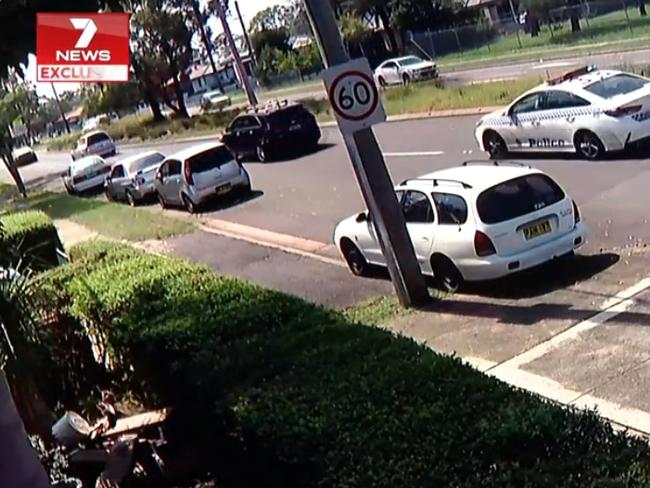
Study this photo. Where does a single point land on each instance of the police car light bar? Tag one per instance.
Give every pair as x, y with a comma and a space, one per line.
572, 74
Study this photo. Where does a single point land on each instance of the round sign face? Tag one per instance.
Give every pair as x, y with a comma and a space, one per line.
353, 95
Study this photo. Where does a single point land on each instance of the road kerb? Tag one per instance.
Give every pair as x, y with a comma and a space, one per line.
262, 237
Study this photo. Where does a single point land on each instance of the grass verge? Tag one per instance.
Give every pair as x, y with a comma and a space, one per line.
111, 220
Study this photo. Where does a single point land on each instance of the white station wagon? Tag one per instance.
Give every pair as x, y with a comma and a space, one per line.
480, 221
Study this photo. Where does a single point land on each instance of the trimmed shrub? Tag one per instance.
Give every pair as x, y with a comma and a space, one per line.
279, 392
32, 237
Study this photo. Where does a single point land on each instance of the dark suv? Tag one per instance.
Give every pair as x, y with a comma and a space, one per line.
269, 131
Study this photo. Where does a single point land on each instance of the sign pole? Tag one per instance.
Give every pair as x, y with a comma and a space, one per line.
372, 175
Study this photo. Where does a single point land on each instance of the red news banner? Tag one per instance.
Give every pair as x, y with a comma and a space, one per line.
82, 47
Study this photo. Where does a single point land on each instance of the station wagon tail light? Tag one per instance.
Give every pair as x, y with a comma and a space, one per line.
188, 174
576, 213
483, 244
623, 111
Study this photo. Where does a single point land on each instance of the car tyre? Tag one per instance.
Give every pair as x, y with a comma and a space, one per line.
495, 145
588, 145
130, 199
382, 82
263, 155
406, 80
354, 258
161, 201
445, 274
189, 205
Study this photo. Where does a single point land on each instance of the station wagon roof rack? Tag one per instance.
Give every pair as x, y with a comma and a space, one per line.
572, 74
494, 162
437, 181
275, 104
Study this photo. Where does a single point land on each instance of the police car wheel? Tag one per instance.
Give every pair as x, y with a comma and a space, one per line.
588, 145
494, 145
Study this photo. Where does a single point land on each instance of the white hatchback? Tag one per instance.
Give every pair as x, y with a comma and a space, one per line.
95, 142
479, 221
85, 174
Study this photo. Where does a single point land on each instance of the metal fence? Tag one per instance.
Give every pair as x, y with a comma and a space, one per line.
505, 28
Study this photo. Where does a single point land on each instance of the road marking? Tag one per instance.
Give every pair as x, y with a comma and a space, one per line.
552, 65
283, 242
612, 307
412, 154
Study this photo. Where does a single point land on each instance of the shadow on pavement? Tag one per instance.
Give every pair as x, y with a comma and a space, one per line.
230, 201
42, 182
525, 314
549, 277
293, 155
546, 278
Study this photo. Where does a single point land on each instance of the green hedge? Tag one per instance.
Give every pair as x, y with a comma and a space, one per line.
284, 393
32, 236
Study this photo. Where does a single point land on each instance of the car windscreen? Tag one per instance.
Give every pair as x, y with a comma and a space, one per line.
616, 85
145, 162
517, 197
411, 60
210, 159
95, 138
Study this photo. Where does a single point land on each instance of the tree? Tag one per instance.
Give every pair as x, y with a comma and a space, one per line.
197, 20
8, 114
272, 39
354, 30
163, 34
112, 98
273, 18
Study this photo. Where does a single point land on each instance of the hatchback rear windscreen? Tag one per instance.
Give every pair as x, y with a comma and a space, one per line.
616, 85
95, 138
210, 159
517, 197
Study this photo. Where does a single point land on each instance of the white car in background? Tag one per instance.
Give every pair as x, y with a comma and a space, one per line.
24, 155
214, 100
94, 142
401, 71
85, 174
587, 111
479, 221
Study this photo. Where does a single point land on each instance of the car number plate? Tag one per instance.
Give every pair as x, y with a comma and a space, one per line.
223, 189
537, 230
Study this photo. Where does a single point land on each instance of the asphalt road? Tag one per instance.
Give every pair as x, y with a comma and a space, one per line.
307, 195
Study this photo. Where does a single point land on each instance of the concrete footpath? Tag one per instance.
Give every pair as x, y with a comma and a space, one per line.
581, 340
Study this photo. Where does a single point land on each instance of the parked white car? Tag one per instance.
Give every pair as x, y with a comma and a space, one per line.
401, 71
475, 222
200, 173
586, 111
85, 174
24, 155
214, 100
95, 142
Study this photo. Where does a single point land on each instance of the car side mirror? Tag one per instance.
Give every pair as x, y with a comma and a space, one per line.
362, 217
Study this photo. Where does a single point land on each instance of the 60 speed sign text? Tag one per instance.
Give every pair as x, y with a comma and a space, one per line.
354, 95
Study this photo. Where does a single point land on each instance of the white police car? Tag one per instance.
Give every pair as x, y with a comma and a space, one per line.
479, 221
587, 111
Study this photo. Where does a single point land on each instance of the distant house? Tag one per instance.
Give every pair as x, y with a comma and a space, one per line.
497, 12
203, 78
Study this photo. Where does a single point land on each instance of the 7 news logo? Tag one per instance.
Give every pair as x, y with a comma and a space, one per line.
82, 47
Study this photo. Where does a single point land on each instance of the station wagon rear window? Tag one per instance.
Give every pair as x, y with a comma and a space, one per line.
210, 159
95, 138
616, 85
517, 197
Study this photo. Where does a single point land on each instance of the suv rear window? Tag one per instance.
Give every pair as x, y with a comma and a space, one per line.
616, 85
517, 197
283, 118
95, 138
210, 159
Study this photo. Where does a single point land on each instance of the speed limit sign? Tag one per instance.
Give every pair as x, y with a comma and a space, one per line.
354, 95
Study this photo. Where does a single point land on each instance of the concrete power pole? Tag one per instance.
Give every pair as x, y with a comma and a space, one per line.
373, 177
58, 103
243, 76
249, 45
